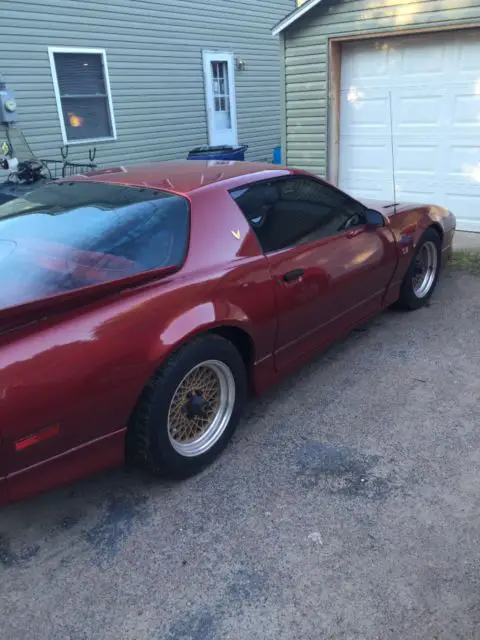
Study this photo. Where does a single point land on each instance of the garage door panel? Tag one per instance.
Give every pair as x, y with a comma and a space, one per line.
417, 111
417, 188
365, 112
366, 166
369, 188
422, 111
463, 159
416, 157
417, 99
466, 109
366, 158
419, 60
466, 207
467, 56
420, 197
373, 64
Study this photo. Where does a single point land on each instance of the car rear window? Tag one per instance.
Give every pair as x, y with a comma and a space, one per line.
64, 236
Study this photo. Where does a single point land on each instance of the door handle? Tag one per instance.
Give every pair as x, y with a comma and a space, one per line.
296, 274
354, 232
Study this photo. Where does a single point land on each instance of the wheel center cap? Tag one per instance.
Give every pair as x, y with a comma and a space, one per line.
196, 406
419, 268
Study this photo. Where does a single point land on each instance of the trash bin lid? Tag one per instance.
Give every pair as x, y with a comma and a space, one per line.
207, 149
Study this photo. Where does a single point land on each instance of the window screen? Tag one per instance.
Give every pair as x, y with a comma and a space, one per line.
83, 95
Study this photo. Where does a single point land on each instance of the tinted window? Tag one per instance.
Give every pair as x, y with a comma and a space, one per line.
292, 211
64, 236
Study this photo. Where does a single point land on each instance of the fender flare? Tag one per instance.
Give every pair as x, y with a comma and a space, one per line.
196, 321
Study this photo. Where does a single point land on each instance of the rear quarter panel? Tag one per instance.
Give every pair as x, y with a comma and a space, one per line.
225, 256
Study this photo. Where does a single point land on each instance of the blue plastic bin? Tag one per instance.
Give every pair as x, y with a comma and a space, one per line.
277, 155
218, 153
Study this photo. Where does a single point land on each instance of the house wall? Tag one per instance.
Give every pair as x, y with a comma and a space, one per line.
305, 47
154, 54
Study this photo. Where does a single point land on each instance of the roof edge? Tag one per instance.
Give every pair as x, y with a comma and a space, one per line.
293, 16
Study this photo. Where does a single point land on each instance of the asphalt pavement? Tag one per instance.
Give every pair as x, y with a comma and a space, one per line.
347, 506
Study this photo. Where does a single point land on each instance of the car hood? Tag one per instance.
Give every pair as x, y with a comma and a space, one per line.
389, 207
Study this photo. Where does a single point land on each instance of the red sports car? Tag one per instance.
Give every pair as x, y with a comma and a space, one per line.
139, 307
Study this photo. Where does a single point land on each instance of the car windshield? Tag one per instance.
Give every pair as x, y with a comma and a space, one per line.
65, 236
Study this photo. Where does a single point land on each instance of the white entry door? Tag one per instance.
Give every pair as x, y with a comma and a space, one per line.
218, 71
410, 121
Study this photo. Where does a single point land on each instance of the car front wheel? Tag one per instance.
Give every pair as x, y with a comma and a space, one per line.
422, 275
190, 409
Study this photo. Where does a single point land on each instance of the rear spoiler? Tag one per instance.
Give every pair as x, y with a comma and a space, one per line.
13, 318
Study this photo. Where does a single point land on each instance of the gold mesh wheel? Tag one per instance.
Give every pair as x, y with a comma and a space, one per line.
201, 408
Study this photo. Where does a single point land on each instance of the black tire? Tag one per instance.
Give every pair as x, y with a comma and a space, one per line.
148, 439
409, 300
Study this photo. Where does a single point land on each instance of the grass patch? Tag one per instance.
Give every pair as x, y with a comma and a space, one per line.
466, 261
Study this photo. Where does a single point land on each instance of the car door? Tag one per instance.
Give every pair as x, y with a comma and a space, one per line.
331, 268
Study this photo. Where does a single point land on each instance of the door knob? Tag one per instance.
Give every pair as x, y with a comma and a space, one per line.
291, 276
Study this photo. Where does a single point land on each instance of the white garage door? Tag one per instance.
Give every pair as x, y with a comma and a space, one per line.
410, 121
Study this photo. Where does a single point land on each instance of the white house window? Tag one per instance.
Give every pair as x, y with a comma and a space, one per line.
82, 91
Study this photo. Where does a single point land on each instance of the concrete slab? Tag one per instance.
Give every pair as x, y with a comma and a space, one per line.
467, 240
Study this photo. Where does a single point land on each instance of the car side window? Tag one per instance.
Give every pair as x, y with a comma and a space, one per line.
291, 211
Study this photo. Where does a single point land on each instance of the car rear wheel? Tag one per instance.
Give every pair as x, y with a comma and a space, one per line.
190, 409
422, 275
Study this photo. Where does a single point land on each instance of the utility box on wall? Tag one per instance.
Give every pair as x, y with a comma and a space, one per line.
8, 106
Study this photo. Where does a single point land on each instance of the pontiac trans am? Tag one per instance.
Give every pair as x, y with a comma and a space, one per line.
139, 307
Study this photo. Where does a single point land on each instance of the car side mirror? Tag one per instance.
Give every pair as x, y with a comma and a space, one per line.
373, 218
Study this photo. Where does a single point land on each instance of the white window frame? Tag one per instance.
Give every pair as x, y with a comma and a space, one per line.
58, 99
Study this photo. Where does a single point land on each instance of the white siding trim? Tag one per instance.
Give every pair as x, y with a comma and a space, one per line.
58, 99
292, 17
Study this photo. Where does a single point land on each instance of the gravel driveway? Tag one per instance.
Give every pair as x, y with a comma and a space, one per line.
348, 506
